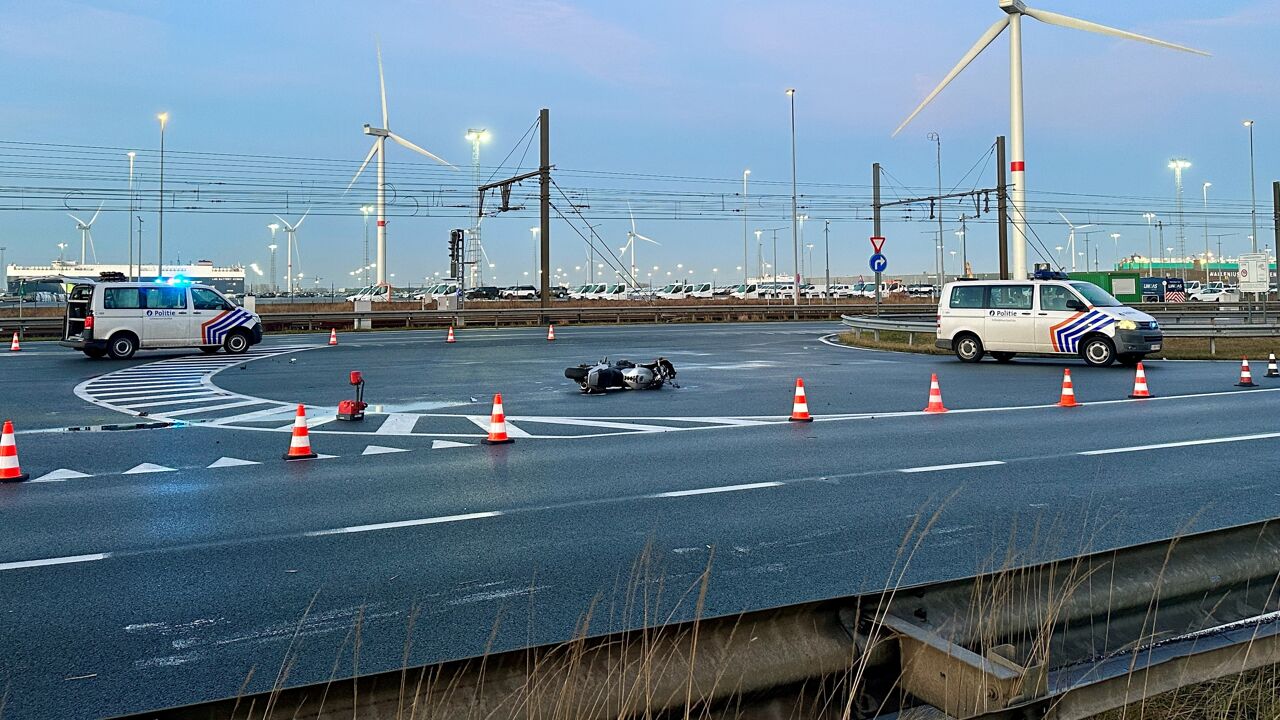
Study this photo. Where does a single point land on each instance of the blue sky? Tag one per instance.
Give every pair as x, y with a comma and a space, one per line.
672, 89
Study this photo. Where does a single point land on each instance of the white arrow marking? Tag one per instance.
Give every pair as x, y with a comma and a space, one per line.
147, 468
381, 450
442, 444
59, 475
231, 462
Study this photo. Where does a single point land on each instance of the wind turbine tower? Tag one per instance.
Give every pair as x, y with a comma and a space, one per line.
291, 246
1014, 11
380, 135
86, 234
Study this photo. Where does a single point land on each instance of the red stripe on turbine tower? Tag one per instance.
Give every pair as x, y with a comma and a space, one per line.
1017, 166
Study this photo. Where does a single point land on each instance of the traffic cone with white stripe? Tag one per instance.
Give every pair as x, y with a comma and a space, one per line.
551, 333
935, 396
1246, 377
800, 405
300, 444
497, 424
1272, 370
1068, 397
14, 346
450, 338
9, 470
1140, 384
333, 336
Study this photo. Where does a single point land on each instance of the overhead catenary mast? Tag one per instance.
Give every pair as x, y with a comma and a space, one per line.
1014, 11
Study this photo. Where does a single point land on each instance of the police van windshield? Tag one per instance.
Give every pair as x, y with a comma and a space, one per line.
1096, 296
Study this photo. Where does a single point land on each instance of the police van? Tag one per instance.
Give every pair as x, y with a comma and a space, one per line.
1050, 314
118, 318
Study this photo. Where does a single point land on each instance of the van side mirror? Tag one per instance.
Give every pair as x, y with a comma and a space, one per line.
1075, 304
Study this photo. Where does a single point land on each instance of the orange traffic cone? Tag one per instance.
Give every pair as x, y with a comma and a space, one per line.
14, 346
497, 424
300, 444
1140, 384
333, 336
935, 396
9, 470
1272, 370
1246, 377
800, 406
1068, 398
551, 333
450, 338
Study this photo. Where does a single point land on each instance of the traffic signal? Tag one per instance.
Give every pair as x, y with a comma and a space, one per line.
455, 252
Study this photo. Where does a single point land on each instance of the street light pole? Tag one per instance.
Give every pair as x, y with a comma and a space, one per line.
164, 120
131, 155
795, 231
364, 210
1253, 190
745, 174
937, 139
1149, 216
1115, 251
759, 260
1178, 165
826, 250
1206, 187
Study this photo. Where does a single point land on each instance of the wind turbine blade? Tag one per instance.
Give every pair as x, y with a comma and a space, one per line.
419, 150
92, 249
73, 217
304, 217
1053, 18
655, 242
1064, 218
95, 215
987, 37
372, 151
633, 218
382, 87
1081, 227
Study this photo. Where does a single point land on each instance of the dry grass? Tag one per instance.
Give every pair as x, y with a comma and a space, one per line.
1254, 695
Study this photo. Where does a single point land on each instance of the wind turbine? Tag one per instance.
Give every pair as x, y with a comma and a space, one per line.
291, 246
1071, 237
632, 236
86, 234
380, 136
1014, 10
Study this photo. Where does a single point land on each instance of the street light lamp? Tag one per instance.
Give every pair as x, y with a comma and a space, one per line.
164, 120
1178, 165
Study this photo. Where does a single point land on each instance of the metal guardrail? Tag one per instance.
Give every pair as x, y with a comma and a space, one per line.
1067, 639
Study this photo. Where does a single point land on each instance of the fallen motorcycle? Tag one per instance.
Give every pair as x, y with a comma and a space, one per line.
622, 375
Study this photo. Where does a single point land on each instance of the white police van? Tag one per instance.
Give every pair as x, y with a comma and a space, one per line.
118, 318
1047, 315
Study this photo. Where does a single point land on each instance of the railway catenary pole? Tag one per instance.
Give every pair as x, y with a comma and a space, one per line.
875, 219
544, 183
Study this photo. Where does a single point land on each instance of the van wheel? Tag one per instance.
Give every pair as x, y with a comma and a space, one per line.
1098, 351
236, 343
95, 353
1002, 356
122, 346
968, 348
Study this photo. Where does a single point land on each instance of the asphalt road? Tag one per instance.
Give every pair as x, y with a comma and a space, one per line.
123, 591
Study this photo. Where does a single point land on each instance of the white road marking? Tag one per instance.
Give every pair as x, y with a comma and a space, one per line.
403, 524
127, 397
211, 408
187, 399
231, 462
257, 415
443, 444
482, 421
721, 489
147, 468
1184, 443
953, 466
381, 450
585, 422
60, 475
398, 424
54, 561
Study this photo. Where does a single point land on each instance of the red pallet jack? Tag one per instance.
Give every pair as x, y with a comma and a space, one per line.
354, 409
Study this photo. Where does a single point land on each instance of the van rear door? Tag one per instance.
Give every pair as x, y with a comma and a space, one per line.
78, 304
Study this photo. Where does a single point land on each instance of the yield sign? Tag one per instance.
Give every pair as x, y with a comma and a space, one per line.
876, 243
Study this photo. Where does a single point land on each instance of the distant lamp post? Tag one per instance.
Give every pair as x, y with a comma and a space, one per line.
1178, 165
533, 231
1115, 239
62, 247
164, 121
1149, 216
131, 155
1059, 249
1205, 189
745, 173
365, 210
795, 219
1253, 190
